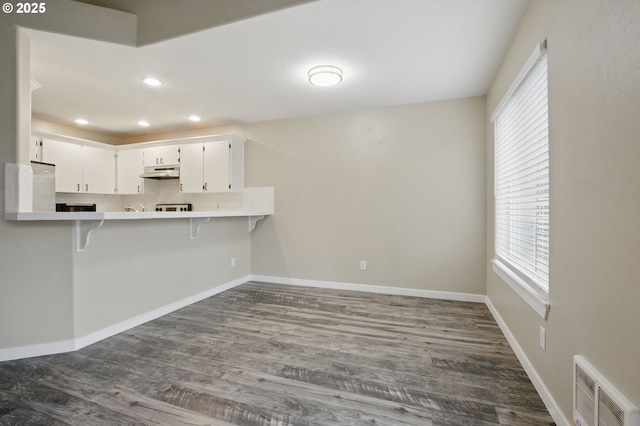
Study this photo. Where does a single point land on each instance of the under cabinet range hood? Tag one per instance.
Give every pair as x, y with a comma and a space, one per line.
161, 172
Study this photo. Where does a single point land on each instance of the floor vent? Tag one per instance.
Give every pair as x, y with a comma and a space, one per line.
596, 402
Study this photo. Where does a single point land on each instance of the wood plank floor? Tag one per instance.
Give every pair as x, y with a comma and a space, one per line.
264, 354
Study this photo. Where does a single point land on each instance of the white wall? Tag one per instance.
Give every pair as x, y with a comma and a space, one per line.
594, 105
402, 188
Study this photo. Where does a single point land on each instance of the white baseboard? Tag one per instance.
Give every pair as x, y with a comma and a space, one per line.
543, 391
41, 349
462, 297
79, 343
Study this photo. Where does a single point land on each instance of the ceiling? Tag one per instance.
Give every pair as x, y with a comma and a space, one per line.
163, 19
392, 52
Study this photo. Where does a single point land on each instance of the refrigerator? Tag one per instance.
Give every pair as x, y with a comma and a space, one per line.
44, 187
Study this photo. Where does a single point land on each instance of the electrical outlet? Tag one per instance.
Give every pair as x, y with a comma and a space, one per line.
363, 265
233, 262
543, 338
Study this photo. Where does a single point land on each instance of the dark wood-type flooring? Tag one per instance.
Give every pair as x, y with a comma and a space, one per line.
264, 354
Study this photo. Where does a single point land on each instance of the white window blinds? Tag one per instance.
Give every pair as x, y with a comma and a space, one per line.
522, 178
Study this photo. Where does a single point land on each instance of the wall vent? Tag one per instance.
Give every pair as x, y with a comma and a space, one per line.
596, 402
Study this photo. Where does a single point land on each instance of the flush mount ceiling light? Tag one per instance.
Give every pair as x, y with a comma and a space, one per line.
325, 75
195, 118
143, 123
152, 81
81, 121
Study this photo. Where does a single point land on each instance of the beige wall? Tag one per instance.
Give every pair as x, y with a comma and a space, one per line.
594, 113
402, 188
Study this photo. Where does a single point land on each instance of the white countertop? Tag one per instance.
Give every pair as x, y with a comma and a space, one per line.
132, 215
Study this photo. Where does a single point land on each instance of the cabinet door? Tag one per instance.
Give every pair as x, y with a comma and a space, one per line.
191, 168
98, 170
129, 167
170, 155
151, 156
68, 160
216, 167
34, 149
167, 155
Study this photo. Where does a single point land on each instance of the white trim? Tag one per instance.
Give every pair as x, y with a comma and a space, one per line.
535, 300
462, 297
530, 62
543, 391
81, 342
41, 349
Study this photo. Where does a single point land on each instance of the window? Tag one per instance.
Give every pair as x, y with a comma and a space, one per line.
521, 125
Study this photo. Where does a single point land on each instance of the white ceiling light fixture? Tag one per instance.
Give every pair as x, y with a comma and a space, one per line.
195, 118
152, 81
325, 75
143, 123
81, 121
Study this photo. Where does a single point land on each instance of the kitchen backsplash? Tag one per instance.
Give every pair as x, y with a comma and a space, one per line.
167, 192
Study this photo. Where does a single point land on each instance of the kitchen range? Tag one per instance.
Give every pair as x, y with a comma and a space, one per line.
174, 207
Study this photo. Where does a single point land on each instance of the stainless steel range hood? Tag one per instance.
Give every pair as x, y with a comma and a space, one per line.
161, 172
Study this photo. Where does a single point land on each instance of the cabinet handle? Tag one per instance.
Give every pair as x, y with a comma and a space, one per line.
138, 188
205, 186
180, 187
86, 187
78, 187
161, 160
157, 161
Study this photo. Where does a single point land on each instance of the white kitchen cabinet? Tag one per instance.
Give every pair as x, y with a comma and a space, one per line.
67, 158
98, 170
191, 172
81, 169
130, 166
216, 166
35, 149
163, 155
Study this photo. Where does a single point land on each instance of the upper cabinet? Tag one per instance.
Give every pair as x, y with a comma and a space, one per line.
81, 168
207, 164
163, 155
99, 169
130, 166
35, 149
67, 158
191, 179
212, 166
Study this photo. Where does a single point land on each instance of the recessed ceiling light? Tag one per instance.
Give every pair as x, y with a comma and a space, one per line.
325, 75
152, 81
81, 121
195, 118
143, 123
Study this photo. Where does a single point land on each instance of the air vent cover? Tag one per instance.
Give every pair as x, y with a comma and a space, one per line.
596, 402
